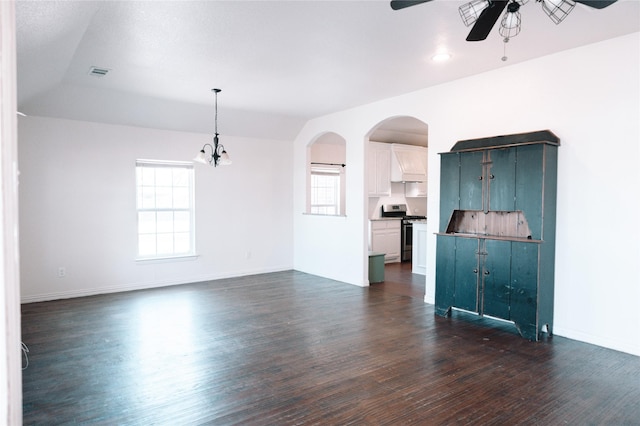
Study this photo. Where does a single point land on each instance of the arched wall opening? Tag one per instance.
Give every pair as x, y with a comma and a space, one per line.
393, 146
326, 175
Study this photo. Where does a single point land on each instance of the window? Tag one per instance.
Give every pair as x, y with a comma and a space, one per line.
325, 190
165, 209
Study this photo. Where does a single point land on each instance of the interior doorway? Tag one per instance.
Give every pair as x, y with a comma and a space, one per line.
384, 188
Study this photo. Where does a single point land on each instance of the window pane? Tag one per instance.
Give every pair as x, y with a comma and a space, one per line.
147, 223
180, 177
181, 198
148, 197
165, 222
182, 242
164, 197
164, 176
148, 176
181, 222
146, 245
165, 243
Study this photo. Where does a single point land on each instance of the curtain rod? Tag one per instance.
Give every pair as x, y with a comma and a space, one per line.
330, 164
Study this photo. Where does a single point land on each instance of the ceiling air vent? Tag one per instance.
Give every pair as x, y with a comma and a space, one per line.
98, 72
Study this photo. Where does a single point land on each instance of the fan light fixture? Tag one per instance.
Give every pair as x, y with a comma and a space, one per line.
511, 22
471, 11
557, 10
218, 154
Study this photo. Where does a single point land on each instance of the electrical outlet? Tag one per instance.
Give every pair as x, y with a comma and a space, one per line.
62, 272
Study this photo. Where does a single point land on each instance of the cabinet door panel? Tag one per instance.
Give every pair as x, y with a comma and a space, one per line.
449, 187
496, 277
502, 179
524, 281
392, 244
466, 278
471, 179
383, 172
445, 273
529, 178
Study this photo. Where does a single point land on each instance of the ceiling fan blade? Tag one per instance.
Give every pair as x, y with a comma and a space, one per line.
401, 4
487, 20
597, 4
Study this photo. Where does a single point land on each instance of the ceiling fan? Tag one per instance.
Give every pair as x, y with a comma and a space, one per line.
483, 14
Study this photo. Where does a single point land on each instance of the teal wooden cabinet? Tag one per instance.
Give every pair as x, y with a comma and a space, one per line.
496, 242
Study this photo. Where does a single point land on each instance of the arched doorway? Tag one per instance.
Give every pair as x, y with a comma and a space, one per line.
390, 184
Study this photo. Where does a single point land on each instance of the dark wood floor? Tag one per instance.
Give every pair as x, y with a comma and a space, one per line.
291, 348
398, 279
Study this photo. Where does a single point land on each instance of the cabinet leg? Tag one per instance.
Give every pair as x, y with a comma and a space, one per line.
529, 331
443, 312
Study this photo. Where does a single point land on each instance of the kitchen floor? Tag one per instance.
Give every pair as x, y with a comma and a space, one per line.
398, 279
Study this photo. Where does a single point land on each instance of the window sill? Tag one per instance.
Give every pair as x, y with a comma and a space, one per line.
184, 258
324, 215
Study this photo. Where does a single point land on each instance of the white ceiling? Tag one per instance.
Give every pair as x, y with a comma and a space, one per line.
278, 63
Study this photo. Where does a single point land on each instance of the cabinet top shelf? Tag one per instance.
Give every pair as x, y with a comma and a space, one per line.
539, 137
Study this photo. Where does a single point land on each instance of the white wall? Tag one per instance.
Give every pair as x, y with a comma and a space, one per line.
77, 208
10, 349
590, 98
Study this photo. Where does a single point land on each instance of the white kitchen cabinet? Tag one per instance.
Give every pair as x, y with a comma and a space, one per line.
379, 169
385, 238
415, 189
419, 248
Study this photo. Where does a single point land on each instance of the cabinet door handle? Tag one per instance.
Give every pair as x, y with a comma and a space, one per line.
479, 177
491, 176
475, 271
486, 272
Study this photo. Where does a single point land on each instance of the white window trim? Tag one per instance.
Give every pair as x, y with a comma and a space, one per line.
160, 258
328, 170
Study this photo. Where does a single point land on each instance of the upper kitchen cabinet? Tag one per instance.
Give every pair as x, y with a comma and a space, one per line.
379, 169
415, 189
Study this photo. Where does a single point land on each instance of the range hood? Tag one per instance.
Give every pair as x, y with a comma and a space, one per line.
408, 163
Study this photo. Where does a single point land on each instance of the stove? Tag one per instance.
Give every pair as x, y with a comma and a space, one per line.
412, 219
406, 235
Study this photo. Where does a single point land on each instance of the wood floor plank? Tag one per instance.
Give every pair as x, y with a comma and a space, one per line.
292, 348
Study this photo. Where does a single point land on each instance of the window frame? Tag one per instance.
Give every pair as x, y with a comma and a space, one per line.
335, 171
189, 209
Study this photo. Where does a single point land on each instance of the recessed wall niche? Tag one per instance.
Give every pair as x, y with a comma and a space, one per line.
326, 175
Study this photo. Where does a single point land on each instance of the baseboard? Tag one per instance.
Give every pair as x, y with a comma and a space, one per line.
616, 345
44, 297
